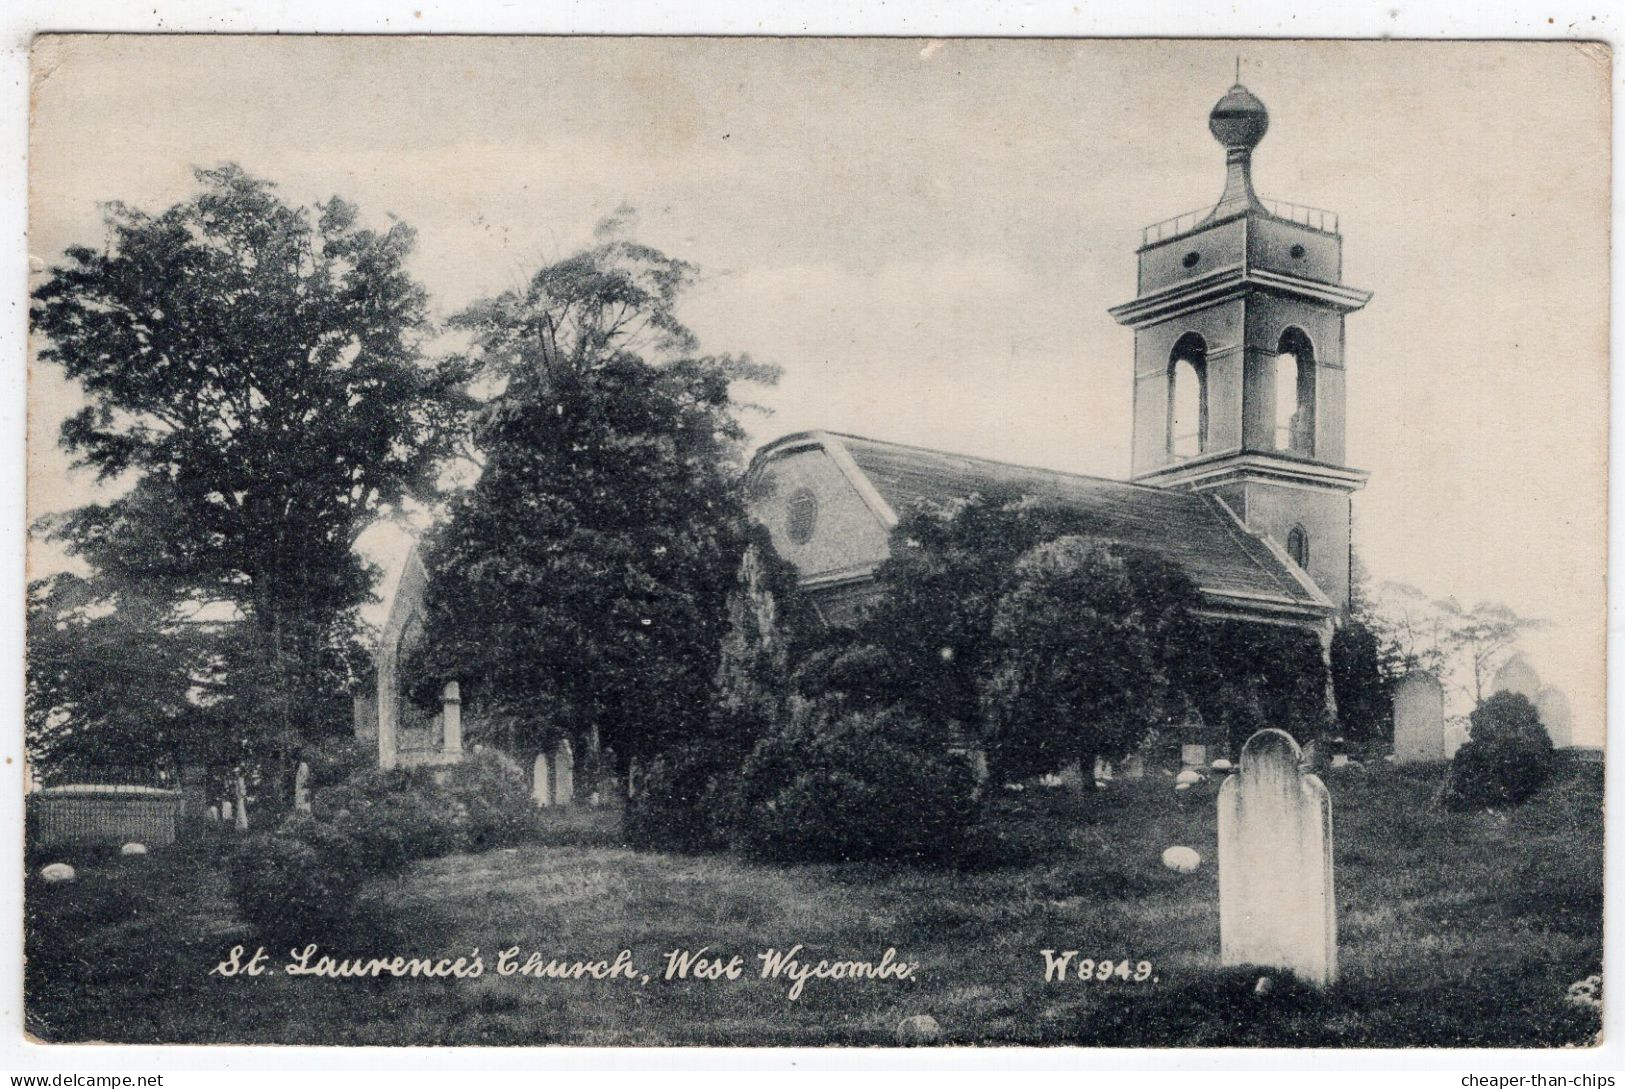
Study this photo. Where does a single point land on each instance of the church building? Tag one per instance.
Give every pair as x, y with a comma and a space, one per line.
1238, 471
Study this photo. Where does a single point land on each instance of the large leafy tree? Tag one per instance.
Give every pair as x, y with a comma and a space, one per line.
1087, 643
580, 585
255, 385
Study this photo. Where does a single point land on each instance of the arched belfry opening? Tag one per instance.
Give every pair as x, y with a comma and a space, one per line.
1187, 397
1297, 546
1295, 393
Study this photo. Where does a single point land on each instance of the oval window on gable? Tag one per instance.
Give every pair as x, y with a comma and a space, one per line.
801, 516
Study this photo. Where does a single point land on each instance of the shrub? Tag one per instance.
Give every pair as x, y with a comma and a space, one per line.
298, 883
334, 760
843, 784
492, 790
685, 800
394, 817
1507, 757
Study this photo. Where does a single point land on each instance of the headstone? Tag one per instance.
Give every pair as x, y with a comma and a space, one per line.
225, 811
634, 777
194, 794
1193, 756
133, 849
1221, 764
1340, 760
1517, 675
564, 774
1455, 736
451, 718
1181, 859
1134, 767
301, 788
1553, 707
1103, 770
242, 805
1072, 775
1419, 719
214, 814
1277, 904
1188, 777
57, 873
978, 764
541, 779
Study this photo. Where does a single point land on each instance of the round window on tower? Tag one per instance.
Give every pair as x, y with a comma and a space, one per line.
1191, 258
1297, 251
801, 516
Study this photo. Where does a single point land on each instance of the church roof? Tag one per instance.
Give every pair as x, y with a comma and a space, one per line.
1197, 532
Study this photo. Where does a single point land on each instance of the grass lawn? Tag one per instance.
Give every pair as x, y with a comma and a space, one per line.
1455, 930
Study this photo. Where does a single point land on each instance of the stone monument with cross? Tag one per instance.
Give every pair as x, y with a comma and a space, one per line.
1277, 904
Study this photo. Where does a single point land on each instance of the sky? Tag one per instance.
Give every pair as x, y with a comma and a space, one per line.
926, 236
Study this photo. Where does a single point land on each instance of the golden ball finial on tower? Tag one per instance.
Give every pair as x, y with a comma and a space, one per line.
1239, 120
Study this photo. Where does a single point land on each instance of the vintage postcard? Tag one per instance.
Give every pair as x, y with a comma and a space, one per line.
793, 541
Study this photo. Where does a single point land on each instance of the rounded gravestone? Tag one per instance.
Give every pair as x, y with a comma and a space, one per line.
1518, 676
133, 849
1221, 764
1188, 777
920, 1029
57, 873
1182, 786
1181, 859
1553, 708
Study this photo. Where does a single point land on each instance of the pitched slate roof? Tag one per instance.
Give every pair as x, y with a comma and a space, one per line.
1195, 531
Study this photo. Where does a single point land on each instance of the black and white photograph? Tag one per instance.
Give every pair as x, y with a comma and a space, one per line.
765, 542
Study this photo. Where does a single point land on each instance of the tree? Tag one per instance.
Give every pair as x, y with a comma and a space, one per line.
1365, 664
253, 372
1480, 640
580, 584
1086, 643
1462, 646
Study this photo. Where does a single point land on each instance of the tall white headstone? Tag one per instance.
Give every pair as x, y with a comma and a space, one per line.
1517, 676
241, 809
1553, 707
564, 774
1277, 905
301, 788
542, 781
451, 719
1418, 719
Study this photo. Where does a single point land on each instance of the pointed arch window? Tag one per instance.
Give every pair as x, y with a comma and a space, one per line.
1297, 546
1295, 393
1187, 397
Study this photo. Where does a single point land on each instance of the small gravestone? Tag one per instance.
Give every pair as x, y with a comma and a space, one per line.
1188, 777
133, 849
1340, 760
1181, 859
301, 788
1553, 708
541, 790
241, 810
57, 873
1134, 767
1221, 764
225, 811
1455, 736
1277, 906
1419, 719
1193, 756
919, 1029
1518, 676
564, 774
214, 814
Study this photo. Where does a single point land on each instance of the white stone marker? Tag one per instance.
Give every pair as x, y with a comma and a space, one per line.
133, 849
56, 873
242, 805
1517, 676
564, 774
1419, 719
301, 788
1555, 715
1277, 905
1455, 736
542, 782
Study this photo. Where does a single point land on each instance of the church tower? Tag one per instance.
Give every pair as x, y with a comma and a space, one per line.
1238, 359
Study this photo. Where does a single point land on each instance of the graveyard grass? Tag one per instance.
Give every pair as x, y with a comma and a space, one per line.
1455, 930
